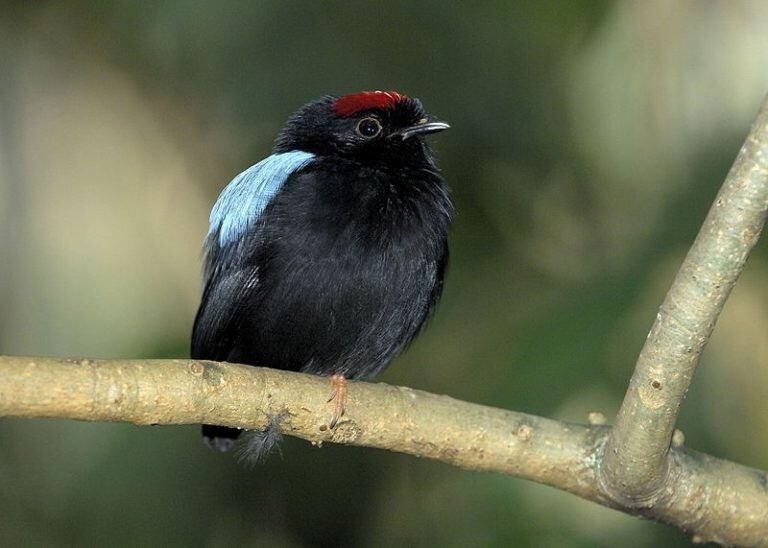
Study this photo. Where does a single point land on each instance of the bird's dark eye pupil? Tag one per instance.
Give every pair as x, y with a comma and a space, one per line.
368, 127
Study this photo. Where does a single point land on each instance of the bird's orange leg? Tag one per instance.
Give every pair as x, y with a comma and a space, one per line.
339, 397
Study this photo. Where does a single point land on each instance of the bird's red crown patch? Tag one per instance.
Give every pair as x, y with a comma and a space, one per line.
352, 104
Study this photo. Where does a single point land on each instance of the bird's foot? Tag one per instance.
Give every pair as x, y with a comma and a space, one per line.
338, 397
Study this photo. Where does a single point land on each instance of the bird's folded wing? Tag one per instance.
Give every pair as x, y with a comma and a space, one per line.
222, 310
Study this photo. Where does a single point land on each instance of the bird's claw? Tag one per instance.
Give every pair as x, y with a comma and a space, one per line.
339, 397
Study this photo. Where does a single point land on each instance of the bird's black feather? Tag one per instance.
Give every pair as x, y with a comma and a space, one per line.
342, 267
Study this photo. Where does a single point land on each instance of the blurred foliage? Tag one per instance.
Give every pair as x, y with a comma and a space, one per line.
589, 140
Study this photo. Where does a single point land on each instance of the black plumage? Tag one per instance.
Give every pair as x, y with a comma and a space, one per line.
338, 268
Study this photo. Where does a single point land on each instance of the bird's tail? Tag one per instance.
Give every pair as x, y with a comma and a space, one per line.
255, 445
258, 444
220, 438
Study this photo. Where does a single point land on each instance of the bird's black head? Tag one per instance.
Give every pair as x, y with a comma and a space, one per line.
374, 126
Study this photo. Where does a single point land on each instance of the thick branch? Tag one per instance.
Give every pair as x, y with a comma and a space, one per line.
631, 467
715, 499
636, 461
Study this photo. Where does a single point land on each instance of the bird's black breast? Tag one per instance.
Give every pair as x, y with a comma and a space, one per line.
350, 263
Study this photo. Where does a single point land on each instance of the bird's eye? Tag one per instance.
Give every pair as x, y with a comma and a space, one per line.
368, 127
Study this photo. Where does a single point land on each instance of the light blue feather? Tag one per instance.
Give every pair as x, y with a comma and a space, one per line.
243, 200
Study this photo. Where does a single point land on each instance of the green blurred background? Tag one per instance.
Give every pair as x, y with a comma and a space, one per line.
588, 141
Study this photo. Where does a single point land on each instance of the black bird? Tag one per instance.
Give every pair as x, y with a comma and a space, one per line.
328, 256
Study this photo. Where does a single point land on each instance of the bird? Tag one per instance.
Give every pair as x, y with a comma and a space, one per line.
329, 255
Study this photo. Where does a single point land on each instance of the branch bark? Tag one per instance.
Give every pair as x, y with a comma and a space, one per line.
638, 466
712, 498
637, 463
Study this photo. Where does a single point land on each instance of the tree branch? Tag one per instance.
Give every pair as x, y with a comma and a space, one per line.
637, 463
631, 467
712, 498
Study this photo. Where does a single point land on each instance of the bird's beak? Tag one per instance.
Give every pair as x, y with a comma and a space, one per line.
423, 129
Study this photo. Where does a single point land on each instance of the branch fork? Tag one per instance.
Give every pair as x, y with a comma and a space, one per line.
640, 466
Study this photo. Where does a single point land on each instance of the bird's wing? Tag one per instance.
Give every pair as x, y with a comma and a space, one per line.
231, 271
223, 305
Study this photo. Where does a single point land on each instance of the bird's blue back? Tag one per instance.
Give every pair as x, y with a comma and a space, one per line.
243, 200
326, 263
